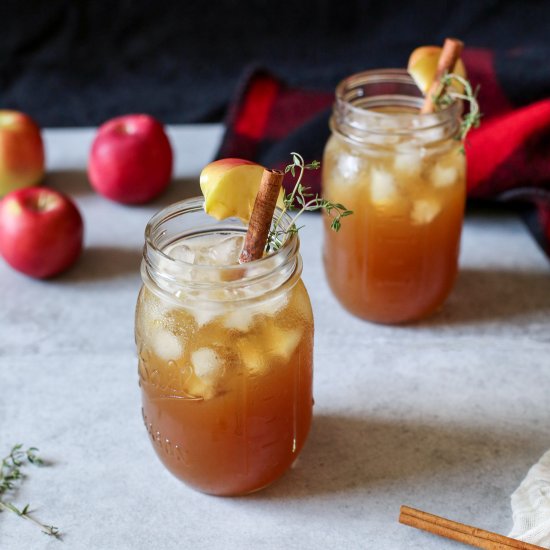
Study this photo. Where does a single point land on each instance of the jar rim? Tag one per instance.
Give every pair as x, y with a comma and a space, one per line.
364, 88
196, 204
162, 269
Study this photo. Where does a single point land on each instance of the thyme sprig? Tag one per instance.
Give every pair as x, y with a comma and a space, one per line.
11, 477
447, 95
301, 200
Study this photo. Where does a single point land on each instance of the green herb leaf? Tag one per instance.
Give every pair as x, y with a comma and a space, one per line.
10, 472
447, 95
307, 202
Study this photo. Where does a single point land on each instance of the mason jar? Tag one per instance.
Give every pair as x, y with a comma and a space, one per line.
225, 352
403, 174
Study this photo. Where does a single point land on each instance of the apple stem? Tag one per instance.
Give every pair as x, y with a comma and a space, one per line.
262, 214
452, 48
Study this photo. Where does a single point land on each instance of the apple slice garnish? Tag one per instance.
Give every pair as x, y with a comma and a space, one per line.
423, 67
230, 187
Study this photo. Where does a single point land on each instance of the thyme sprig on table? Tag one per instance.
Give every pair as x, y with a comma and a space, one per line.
301, 200
11, 477
447, 95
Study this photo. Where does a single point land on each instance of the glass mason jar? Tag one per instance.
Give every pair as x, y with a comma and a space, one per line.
225, 353
403, 174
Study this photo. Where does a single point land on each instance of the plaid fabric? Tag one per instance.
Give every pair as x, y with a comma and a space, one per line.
508, 156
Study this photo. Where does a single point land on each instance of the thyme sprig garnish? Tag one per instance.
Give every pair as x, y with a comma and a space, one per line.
11, 477
301, 200
447, 95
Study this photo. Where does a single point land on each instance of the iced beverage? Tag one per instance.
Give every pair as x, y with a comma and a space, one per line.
225, 363
403, 175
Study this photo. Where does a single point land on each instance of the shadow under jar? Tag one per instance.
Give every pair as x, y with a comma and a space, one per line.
225, 352
403, 174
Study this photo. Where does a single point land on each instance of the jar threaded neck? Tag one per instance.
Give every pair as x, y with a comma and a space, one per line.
374, 104
179, 280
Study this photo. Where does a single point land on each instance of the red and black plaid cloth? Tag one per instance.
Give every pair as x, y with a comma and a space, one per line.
508, 156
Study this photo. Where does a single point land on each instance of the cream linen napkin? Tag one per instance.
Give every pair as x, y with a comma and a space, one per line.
531, 505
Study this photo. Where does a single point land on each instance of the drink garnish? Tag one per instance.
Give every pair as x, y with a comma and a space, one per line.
230, 186
262, 214
301, 200
441, 76
240, 188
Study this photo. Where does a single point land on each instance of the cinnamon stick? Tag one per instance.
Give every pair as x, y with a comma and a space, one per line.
452, 48
479, 538
262, 213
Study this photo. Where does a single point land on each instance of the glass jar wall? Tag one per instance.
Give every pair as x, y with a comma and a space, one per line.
403, 175
225, 353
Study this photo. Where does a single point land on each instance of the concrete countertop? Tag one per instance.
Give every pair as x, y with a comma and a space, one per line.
447, 415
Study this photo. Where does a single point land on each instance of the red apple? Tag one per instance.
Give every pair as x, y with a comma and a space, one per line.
21, 152
40, 231
131, 159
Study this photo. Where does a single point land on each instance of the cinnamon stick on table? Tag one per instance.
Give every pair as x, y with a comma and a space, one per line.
467, 534
262, 213
452, 48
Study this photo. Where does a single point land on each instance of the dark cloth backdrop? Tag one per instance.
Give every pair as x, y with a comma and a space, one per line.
70, 63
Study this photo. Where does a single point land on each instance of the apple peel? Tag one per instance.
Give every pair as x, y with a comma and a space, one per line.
41, 231
422, 67
230, 187
21, 152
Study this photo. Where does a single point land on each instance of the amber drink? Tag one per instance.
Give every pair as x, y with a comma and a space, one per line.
225, 353
403, 175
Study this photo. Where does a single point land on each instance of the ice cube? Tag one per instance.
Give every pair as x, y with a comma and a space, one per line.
182, 252
272, 306
206, 363
383, 188
227, 251
168, 282
239, 319
347, 167
283, 342
251, 355
166, 345
408, 162
274, 342
206, 373
174, 273
206, 316
444, 176
425, 210
206, 313
218, 251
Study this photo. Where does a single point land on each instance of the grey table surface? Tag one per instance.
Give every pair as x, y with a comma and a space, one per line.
447, 415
